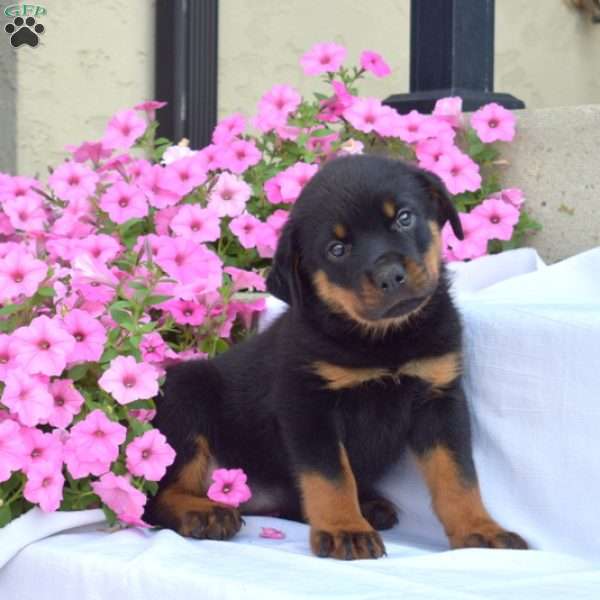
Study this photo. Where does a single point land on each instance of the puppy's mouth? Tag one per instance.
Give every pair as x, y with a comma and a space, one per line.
401, 308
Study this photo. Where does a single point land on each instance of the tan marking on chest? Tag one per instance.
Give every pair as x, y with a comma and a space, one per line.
438, 371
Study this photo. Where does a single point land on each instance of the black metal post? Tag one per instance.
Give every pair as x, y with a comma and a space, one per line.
186, 68
451, 54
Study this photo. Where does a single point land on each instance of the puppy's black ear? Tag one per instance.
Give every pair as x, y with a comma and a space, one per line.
445, 207
283, 280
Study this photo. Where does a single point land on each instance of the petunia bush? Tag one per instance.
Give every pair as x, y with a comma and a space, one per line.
135, 254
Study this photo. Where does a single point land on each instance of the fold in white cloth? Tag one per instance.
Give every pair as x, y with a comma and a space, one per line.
532, 378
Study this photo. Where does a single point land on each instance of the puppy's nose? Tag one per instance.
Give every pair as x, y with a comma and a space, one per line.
388, 278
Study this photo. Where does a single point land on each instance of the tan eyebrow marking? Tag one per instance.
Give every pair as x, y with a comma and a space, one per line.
389, 209
340, 231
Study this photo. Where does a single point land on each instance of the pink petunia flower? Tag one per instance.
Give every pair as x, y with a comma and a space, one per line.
210, 157
190, 263
373, 62
150, 107
286, 186
137, 169
266, 240
102, 247
229, 128
229, 195
282, 99
186, 312
493, 122
475, 239
184, 175
499, 217
43, 346
149, 455
229, 487
28, 398
245, 227
271, 533
40, 449
513, 196
366, 114
155, 185
322, 144
458, 171
26, 213
93, 445
415, 127
121, 497
12, 188
145, 415
333, 108
325, 57
239, 155
73, 181
197, 223
246, 280
153, 347
45, 486
20, 273
123, 129
94, 151
127, 380
12, 448
449, 109
8, 356
124, 201
429, 151
67, 403
89, 335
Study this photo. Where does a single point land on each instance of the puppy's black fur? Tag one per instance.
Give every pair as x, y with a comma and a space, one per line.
363, 365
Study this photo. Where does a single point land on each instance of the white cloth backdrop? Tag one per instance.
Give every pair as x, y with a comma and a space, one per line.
532, 343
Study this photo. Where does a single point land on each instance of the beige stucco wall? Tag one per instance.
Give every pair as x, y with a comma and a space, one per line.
546, 54
97, 57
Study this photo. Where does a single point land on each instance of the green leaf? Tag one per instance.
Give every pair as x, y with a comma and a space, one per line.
78, 371
151, 486
320, 132
108, 355
122, 317
5, 515
46, 292
157, 299
10, 309
111, 517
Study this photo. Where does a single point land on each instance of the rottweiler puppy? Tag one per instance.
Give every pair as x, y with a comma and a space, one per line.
364, 365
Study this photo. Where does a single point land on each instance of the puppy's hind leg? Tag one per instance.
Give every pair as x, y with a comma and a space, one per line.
185, 415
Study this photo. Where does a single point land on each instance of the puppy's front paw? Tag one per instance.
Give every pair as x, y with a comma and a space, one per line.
346, 545
216, 523
489, 536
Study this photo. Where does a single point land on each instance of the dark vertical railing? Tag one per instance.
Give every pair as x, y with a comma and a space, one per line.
186, 68
451, 54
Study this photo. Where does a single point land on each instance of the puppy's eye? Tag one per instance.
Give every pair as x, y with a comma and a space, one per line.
404, 219
337, 249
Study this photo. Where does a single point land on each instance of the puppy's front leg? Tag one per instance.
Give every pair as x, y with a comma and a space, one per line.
328, 488
441, 440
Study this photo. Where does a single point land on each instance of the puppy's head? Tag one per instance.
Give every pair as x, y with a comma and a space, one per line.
364, 236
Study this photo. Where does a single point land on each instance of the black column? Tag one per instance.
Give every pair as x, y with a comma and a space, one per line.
186, 68
451, 54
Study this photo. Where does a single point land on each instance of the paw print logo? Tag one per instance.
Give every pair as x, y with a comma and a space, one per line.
24, 31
